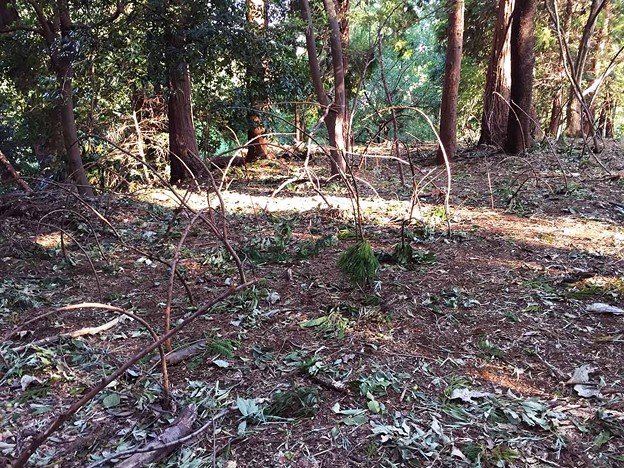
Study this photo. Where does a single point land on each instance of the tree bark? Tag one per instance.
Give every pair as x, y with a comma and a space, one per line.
258, 147
450, 91
60, 63
183, 149
498, 80
575, 112
335, 110
522, 63
299, 123
342, 12
9, 167
556, 114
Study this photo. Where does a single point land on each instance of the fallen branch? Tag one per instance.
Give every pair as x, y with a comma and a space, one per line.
174, 443
165, 443
183, 354
328, 383
74, 334
14, 173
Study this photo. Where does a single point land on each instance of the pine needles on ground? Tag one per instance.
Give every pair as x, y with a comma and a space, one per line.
359, 263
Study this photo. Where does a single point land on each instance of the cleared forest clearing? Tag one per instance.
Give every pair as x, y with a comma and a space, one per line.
484, 346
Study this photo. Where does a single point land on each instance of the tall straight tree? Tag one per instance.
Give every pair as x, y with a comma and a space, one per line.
336, 110
498, 80
450, 91
522, 63
257, 18
183, 149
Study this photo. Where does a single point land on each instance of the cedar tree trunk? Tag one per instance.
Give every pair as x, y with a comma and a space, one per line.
450, 91
183, 150
555, 114
498, 81
522, 62
258, 147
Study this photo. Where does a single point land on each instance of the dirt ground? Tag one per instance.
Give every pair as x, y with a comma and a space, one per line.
483, 346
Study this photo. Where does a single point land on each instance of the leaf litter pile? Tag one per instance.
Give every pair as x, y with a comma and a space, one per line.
497, 344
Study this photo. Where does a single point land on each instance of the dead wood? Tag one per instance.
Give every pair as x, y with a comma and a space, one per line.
74, 334
160, 447
183, 354
14, 173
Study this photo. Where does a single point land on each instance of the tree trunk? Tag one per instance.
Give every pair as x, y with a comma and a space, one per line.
522, 63
70, 135
450, 91
299, 124
137, 102
258, 147
577, 103
339, 106
335, 111
183, 149
498, 81
342, 12
555, 114
62, 67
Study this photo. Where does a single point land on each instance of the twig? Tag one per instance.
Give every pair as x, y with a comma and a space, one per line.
118, 310
118, 236
63, 231
174, 264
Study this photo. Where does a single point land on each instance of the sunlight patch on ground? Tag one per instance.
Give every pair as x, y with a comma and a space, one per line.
51, 240
244, 203
564, 232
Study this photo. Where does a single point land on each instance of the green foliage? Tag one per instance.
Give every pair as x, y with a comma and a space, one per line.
222, 347
359, 263
332, 325
610, 287
296, 402
381, 381
307, 249
489, 350
405, 255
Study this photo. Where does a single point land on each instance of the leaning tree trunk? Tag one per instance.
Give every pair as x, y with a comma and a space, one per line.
183, 149
498, 81
258, 147
577, 107
450, 91
522, 63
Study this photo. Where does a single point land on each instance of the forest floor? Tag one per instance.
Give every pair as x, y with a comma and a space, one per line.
484, 347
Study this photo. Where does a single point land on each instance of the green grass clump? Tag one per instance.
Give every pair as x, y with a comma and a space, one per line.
359, 263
